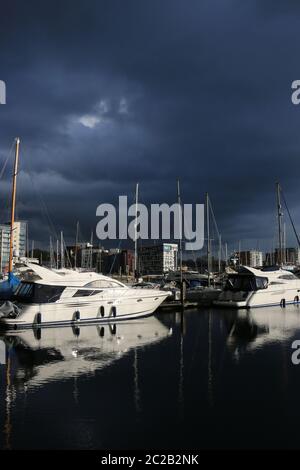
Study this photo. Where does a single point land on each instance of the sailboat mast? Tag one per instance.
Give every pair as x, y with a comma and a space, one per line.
135, 233
180, 225
279, 214
208, 239
50, 252
13, 206
220, 252
57, 254
62, 261
76, 244
91, 251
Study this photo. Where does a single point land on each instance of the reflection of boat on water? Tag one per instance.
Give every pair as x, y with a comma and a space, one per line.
75, 298
253, 329
54, 354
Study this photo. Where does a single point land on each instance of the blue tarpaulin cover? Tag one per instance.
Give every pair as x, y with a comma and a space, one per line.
8, 286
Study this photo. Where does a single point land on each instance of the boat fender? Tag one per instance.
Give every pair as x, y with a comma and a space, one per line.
76, 316
296, 299
282, 303
38, 319
113, 311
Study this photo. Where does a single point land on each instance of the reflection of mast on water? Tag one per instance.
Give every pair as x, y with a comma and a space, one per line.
209, 362
8, 400
76, 333
137, 397
181, 366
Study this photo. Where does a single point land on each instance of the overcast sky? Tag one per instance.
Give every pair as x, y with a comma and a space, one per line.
107, 93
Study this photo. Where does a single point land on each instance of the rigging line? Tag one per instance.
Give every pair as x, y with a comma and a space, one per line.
215, 224
7, 200
119, 245
213, 216
44, 209
68, 257
43, 205
291, 220
115, 256
10, 153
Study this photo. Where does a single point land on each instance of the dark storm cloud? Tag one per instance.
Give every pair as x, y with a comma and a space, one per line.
107, 93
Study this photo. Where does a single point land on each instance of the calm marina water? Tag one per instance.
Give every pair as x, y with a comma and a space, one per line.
207, 379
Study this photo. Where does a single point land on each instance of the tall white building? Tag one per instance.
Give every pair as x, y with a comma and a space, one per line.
19, 242
158, 259
252, 258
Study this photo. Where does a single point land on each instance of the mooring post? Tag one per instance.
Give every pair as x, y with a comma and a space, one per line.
183, 292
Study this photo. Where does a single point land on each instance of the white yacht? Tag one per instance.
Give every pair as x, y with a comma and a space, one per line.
74, 298
252, 287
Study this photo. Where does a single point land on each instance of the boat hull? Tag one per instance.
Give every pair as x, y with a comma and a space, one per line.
83, 312
263, 298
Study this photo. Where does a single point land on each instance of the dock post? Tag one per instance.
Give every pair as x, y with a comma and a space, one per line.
183, 292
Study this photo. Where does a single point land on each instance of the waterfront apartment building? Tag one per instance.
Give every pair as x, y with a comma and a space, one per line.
289, 256
292, 255
113, 261
19, 242
158, 259
251, 258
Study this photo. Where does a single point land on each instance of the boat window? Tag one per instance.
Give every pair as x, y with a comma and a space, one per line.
38, 293
24, 290
261, 282
85, 293
103, 284
246, 283
193, 283
290, 277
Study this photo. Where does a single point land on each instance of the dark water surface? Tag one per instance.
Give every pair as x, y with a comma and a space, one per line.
217, 379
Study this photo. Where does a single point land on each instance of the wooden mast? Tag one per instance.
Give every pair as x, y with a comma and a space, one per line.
13, 206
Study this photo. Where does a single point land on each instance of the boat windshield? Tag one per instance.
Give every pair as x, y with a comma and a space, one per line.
28, 292
246, 283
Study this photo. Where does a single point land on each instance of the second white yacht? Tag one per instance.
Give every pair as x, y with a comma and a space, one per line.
252, 287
